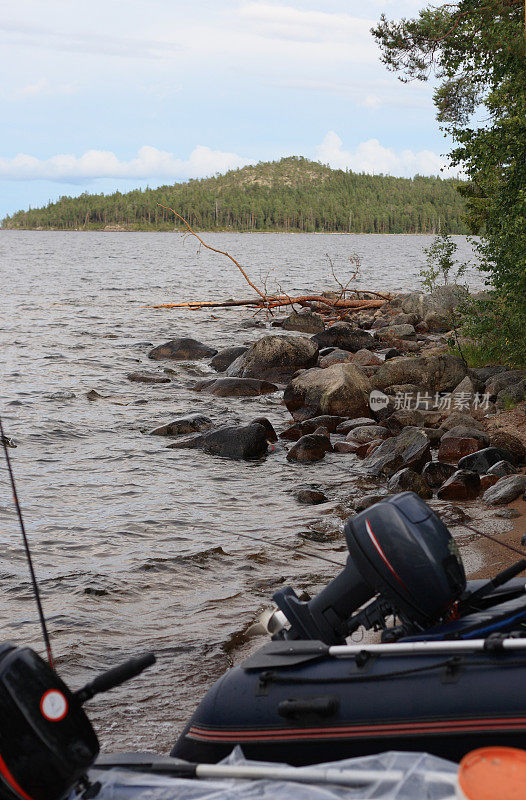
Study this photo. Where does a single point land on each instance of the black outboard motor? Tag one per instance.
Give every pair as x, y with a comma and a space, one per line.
399, 550
47, 743
46, 740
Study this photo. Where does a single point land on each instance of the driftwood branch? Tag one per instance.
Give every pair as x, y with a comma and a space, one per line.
329, 303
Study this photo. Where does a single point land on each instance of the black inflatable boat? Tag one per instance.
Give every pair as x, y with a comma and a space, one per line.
447, 678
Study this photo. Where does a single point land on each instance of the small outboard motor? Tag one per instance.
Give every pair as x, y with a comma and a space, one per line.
47, 743
399, 551
46, 740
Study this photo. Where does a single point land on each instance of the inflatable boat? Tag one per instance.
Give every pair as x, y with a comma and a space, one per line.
446, 678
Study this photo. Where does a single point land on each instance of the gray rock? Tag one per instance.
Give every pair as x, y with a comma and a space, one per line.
503, 380
336, 356
392, 353
190, 442
507, 513
411, 448
367, 501
190, 424
235, 387
405, 418
310, 497
512, 395
407, 480
304, 321
147, 377
505, 490
311, 447
437, 472
434, 435
340, 390
502, 469
507, 441
275, 358
348, 424
366, 433
462, 485
225, 357
181, 349
485, 373
463, 431
458, 418
293, 432
438, 373
482, 460
236, 442
272, 436
395, 332
345, 337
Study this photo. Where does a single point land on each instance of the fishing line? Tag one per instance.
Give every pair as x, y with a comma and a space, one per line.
288, 549
36, 590
493, 539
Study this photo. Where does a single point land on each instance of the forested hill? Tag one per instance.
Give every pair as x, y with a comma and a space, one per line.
293, 194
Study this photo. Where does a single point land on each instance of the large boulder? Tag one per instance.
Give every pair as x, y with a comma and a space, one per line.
437, 373
304, 321
225, 357
345, 337
411, 448
435, 308
512, 395
311, 447
181, 349
235, 387
237, 442
275, 358
505, 490
340, 390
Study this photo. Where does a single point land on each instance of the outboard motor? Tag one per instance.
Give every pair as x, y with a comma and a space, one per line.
47, 743
400, 553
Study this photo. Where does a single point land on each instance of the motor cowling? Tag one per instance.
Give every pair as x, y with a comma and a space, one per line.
404, 552
47, 742
400, 551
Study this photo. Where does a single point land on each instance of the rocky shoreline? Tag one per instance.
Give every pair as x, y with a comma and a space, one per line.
385, 392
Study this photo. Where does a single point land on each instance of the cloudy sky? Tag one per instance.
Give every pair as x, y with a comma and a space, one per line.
113, 94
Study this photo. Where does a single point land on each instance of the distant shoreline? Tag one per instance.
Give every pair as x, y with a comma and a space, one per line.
224, 230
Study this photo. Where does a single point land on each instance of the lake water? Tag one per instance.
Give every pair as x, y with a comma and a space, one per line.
135, 545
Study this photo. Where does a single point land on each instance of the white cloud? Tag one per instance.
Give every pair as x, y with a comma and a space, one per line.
372, 157
149, 163
41, 87
292, 23
371, 101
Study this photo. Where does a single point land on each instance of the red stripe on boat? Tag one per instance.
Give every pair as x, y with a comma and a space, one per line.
399, 729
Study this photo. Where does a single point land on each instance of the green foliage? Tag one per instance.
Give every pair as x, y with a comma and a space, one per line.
441, 263
293, 194
477, 50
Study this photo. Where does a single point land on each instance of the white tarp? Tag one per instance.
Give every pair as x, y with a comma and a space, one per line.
425, 777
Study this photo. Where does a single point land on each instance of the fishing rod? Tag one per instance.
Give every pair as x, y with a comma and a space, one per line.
36, 590
287, 548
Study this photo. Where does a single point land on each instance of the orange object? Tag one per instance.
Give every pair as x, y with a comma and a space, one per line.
493, 773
